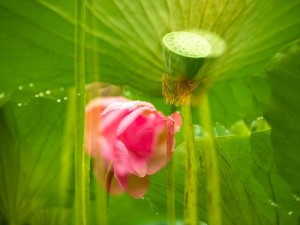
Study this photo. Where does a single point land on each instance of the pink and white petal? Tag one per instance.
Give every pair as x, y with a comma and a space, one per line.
103, 149
122, 163
176, 117
93, 124
102, 102
111, 120
117, 106
128, 105
137, 186
143, 104
139, 165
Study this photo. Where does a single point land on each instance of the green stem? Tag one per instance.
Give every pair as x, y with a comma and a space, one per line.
213, 184
101, 204
82, 161
191, 197
171, 196
67, 154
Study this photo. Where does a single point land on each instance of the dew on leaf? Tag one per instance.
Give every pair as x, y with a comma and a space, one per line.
273, 203
31, 85
65, 98
290, 213
48, 92
2, 95
58, 100
297, 198
19, 104
20, 87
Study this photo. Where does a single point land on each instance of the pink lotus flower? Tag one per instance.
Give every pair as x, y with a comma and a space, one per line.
129, 141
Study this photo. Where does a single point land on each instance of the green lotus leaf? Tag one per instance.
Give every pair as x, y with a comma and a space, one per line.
283, 112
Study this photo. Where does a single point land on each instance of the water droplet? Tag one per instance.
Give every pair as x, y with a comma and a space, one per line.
156, 213
296, 198
272, 203
58, 100
78, 94
2, 95
20, 87
48, 92
142, 198
41, 94
37, 95
290, 213
65, 98
31, 85
19, 104
61, 89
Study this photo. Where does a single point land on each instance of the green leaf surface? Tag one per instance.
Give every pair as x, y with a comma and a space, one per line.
123, 45
283, 112
253, 192
30, 149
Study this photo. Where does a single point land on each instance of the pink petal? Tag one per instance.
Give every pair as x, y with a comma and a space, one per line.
115, 187
137, 186
177, 120
139, 136
165, 145
129, 119
92, 118
157, 162
160, 156
101, 170
122, 180
170, 138
104, 148
107, 136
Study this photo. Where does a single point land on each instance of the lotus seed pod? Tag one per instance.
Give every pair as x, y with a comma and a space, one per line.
184, 54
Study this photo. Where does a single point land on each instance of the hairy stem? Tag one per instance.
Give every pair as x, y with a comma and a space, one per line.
191, 197
171, 196
213, 184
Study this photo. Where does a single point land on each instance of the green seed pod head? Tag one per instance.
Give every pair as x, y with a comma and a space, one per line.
184, 53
